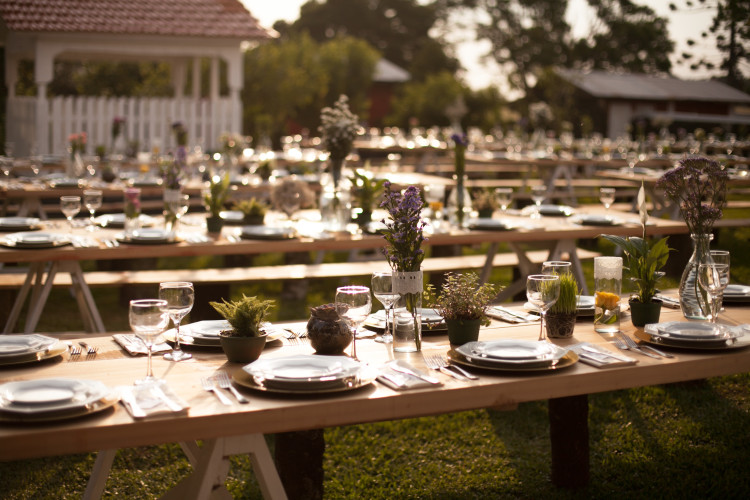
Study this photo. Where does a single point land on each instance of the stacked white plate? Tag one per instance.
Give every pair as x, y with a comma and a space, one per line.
15, 349
118, 220
487, 224
53, 399
695, 335
513, 355
305, 374
18, 223
147, 236
549, 210
432, 322
737, 293
266, 233
596, 220
34, 240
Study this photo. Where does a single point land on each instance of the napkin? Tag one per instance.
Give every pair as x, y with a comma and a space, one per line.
399, 381
504, 315
601, 358
151, 399
134, 346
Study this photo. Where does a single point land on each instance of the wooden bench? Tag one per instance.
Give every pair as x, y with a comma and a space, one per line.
11, 280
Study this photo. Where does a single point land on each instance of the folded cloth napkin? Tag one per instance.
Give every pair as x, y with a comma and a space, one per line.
151, 399
504, 315
669, 302
600, 357
134, 346
399, 381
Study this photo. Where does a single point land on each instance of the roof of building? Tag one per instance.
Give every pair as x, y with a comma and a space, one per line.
387, 72
195, 18
652, 88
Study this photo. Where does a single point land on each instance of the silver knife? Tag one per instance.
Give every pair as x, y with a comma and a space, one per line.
171, 404
404, 369
521, 316
657, 351
130, 400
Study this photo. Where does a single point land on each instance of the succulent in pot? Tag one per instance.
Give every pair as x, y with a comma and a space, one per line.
328, 333
462, 303
561, 318
253, 211
246, 339
644, 262
485, 203
214, 198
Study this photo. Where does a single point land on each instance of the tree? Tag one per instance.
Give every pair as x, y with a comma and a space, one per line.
399, 29
427, 102
731, 30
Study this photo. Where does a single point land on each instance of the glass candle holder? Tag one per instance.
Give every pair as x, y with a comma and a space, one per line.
607, 286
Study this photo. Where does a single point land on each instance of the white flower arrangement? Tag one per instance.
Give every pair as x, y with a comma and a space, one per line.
338, 128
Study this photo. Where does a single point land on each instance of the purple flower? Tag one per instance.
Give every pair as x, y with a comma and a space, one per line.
404, 231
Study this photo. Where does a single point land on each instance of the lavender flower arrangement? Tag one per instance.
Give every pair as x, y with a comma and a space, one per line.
171, 173
404, 232
338, 128
699, 186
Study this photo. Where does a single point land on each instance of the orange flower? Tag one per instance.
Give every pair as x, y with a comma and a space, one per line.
606, 300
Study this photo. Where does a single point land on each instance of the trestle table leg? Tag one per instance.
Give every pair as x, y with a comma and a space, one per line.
569, 438
99, 474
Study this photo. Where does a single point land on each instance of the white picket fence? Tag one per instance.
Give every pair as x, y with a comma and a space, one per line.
147, 121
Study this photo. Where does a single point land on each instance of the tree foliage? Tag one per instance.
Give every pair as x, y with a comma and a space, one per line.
427, 101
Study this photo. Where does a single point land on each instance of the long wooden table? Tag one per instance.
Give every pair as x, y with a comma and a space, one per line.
234, 429
559, 233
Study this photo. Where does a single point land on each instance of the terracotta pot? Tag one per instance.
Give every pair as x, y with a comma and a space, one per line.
242, 349
560, 325
461, 331
643, 314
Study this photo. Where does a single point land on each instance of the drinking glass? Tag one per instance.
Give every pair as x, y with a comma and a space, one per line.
70, 206
556, 267
538, 194
382, 289
713, 278
353, 304
148, 319
542, 290
92, 200
632, 159
607, 197
179, 207
180, 296
504, 197
434, 195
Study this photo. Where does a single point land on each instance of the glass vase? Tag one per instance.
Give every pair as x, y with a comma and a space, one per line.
407, 331
694, 301
132, 209
171, 200
335, 203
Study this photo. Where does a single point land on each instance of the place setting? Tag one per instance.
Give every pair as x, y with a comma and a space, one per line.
34, 240
117, 220
513, 355
29, 348
13, 224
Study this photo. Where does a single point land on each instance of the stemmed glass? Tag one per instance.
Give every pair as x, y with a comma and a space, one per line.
290, 204
180, 296
435, 197
538, 194
714, 278
382, 289
607, 197
542, 290
353, 305
92, 200
70, 206
556, 267
632, 159
179, 207
148, 319
504, 197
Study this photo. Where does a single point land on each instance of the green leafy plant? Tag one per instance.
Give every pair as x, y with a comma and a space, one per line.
251, 208
366, 188
567, 302
461, 297
245, 315
642, 260
215, 196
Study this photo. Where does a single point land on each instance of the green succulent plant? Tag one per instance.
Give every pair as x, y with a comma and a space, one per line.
245, 315
252, 207
215, 197
461, 297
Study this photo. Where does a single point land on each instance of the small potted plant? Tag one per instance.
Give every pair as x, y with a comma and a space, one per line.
366, 190
247, 338
328, 332
214, 198
643, 262
253, 211
485, 203
462, 303
561, 318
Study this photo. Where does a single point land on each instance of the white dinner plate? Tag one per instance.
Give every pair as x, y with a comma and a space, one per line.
303, 373
234, 217
491, 224
266, 233
509, 350
596, 220
11, 345
49, 395
118, 220
737, 293
432, 322
694, 331
147, 236
18, 223
550, 210
34, 239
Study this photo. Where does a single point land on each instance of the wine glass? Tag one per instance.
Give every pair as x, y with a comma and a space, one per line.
542, 290
713, 278
382, 289
434, 195
148, 319
538, 194
92, 200
353, 304
632, 159
607, 197
504, 197
556, 267
178, 206
290, 204
70, 206
180, 296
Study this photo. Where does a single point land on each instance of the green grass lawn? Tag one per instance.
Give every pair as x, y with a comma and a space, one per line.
688, 440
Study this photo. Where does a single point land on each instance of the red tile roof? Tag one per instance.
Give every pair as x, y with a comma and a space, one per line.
201, 18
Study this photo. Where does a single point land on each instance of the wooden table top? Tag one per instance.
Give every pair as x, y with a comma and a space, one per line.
268, 413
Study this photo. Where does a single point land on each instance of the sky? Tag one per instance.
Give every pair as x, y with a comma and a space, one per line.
480, 74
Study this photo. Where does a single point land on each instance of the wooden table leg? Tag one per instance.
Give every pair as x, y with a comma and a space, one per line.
569, 437
299, 461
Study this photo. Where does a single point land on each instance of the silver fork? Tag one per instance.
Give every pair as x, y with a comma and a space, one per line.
74, 350
436, 363
209, 385
631, 343
446, 362
620, 344
90, 349
222, 379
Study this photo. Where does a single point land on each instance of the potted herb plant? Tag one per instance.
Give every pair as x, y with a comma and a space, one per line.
561, 318
462, 304
366, 190
247, 338
253, 211
643, 262
485, 203
214, 198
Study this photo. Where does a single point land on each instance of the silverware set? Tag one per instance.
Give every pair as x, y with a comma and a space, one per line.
221, 381
296, 338
625, 343
91, 350
110, 243
443, 365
